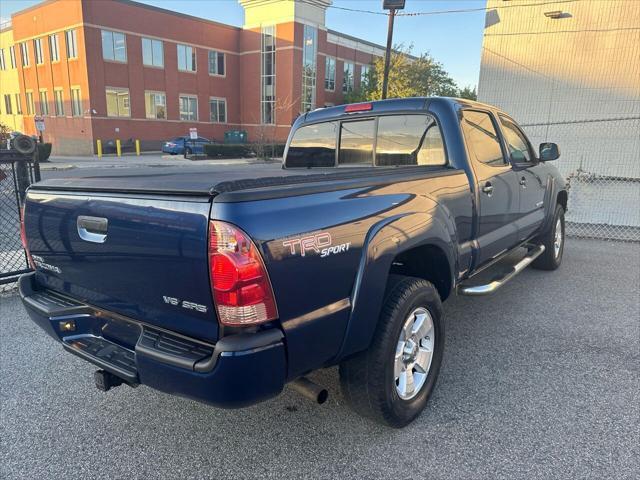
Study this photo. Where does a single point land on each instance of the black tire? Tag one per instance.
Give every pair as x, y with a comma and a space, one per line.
549, 260
367, 379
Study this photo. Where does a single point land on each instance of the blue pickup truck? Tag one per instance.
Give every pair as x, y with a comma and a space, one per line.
225, 286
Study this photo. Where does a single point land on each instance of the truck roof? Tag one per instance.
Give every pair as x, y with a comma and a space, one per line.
390, 106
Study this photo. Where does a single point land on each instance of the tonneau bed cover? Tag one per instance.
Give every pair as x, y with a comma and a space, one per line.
211, 182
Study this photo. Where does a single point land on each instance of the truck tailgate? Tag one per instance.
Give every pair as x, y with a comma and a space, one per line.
139, 256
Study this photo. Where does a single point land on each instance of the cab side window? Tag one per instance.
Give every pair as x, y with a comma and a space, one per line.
517, 143
482, 139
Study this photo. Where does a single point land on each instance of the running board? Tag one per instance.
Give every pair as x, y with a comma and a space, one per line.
489, 288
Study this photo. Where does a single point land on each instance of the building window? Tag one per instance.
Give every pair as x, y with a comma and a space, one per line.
155, 105
2, 64
31, 108
309, 65
12, 56
364, 74
71, 38
347, 79
54, 49
216, 63
330, 74
188, 108
114, 46
152, 52
186, 58
76, 102
44, 103
58, 103
268, 75
218, 108
18, 104
117, 102
7, 105
37, 50
24, 54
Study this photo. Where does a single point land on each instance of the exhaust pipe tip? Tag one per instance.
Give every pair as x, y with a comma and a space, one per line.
310, 390
323, 396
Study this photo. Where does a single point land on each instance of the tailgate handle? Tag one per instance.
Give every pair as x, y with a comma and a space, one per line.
92, 229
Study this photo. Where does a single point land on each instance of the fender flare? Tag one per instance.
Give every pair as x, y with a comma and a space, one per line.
383, 242
554, 187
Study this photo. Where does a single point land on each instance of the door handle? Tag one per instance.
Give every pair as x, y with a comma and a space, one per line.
523, 182
488, 188
92, 229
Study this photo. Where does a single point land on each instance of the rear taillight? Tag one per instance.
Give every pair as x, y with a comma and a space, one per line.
23, 238
239, 281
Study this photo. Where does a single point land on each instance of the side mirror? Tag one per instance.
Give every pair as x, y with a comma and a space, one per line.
549, 151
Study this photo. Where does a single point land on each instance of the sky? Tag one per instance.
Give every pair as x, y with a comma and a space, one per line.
455, 39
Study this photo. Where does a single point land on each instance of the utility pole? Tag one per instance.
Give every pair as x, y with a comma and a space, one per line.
392, 6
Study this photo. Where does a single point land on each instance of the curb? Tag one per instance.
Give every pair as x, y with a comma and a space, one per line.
48, 168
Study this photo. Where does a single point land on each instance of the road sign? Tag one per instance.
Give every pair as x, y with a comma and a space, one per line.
193, 133
39, 121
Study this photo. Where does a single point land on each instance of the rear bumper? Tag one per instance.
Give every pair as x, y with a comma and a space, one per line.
237, 371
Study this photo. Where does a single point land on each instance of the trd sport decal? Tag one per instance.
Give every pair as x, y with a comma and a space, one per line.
318, 243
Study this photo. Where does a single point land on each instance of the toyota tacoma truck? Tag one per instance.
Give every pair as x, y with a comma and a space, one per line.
224, 285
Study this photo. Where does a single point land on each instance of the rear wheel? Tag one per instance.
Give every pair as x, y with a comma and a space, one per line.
553, 241
392, 380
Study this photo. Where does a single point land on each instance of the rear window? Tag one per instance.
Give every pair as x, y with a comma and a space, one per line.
313, 146
401, 140
356, 142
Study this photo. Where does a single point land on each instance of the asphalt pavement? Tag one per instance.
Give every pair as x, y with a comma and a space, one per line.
540, 380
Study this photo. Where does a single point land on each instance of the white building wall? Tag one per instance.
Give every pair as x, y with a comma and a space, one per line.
574, 80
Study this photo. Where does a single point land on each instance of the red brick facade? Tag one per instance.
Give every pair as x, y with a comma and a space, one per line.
240, 86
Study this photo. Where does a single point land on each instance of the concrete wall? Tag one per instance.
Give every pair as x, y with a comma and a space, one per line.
574, 80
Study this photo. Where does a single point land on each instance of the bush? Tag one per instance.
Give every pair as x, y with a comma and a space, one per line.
44, 151
225, 150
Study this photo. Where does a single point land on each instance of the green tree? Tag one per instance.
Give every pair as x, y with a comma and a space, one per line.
468, 93
408, 77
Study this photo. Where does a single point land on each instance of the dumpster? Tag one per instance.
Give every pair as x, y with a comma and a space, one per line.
235, 137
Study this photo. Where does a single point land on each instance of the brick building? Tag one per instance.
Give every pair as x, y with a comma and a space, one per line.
569, 72
121, 69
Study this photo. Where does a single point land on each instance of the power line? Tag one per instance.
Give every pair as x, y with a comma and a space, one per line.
442, 12
483, 9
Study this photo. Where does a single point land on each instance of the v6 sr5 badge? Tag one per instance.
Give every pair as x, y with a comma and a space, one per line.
319, 243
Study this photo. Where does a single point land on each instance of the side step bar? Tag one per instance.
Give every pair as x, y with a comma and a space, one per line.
491, 287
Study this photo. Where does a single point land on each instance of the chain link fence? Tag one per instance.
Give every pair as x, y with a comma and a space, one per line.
600, 159
16, 173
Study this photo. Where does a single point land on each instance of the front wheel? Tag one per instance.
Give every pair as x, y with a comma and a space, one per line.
392, 380
553, 241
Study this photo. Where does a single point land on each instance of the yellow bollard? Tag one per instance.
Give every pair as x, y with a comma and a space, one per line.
118, 147
99, 145
137, 147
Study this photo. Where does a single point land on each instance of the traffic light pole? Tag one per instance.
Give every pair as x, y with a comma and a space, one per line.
387, 57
